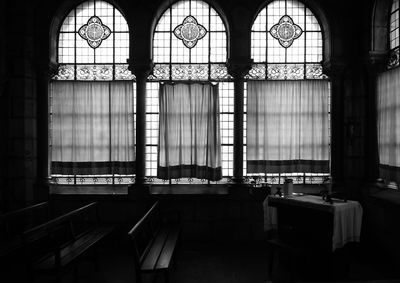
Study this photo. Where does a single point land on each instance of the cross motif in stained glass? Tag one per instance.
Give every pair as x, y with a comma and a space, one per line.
94, 32
190, 31
286, 31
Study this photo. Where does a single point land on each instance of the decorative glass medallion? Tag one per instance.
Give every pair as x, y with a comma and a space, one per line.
190, 32
286, 31
94, 32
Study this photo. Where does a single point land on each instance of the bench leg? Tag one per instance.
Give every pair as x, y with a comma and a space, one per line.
76, 272
166, 276
96, 259
138, 277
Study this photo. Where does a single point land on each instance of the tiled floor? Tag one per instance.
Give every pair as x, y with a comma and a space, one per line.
216, 263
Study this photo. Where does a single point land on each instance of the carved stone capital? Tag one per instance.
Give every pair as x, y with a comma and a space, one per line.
239, 67
377, 61
141, 68
47, 71
333, 67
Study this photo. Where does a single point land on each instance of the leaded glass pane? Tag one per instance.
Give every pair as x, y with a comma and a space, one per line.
94, 72
394, 26
219, 72
257, 72
285, 71
314, 71
394, 58
395, 5
122, 73
189, 72
160, 72
65, 72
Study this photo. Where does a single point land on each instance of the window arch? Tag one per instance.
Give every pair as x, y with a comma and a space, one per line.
93, 44
285, 80
286, 43
190, 44
394, 36
92, 96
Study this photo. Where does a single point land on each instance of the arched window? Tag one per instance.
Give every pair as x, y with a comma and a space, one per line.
287, 111
388, 107
93, 44
92, 98
286, 43
190, 45
394, 35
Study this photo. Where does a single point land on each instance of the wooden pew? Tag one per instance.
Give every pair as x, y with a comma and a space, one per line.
58, 244
154, 243
14, 223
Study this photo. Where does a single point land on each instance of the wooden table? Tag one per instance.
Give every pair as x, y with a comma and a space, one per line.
313, 221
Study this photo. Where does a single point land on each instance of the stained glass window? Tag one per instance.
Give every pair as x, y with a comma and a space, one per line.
286, 43
93, 47
394, 37
190, 44
93, 44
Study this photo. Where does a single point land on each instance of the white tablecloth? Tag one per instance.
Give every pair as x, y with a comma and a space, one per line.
347, 216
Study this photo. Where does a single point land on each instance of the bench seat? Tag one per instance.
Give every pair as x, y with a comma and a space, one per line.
154, 241
70, 252
161, 250
60, 243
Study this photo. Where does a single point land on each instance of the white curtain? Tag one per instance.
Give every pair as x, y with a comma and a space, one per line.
189, 137
92, 128
389, 124
287, 126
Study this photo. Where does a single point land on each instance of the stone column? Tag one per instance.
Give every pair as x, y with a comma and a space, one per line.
20, 98
3, 82
376, 63
141, 72
45, 73
335, 71
238, 69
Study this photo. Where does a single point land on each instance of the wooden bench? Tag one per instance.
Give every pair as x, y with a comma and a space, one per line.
154, 243
58, 244
14, 223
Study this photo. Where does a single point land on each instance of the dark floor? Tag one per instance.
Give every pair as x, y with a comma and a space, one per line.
233, 263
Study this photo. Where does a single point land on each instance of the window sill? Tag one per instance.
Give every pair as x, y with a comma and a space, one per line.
88, 189
175, 189
189, 189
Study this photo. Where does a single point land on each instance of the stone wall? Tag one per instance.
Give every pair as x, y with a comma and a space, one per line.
19, 107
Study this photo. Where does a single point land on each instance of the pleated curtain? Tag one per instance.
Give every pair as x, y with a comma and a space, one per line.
388, 112
92, 128
189, 131
288, 126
